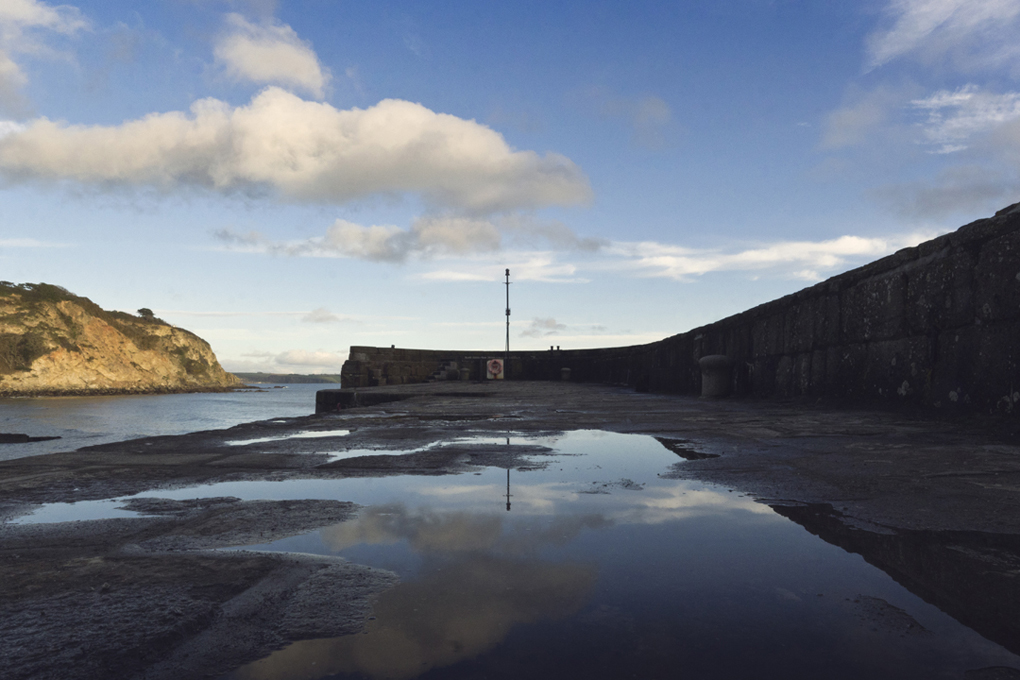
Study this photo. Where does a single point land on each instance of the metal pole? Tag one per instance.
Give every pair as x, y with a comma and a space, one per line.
506, 351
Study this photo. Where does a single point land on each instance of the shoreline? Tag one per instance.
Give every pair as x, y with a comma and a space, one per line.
124, 391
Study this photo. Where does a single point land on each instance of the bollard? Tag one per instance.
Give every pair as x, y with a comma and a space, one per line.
465, 374
716, 375
564, 374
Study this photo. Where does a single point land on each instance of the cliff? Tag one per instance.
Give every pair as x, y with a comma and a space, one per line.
55, 342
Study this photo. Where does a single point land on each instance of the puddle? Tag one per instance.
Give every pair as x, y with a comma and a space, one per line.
599, 565
596, 566
299, 435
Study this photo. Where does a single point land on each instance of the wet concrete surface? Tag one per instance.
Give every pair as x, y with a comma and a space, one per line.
936, 505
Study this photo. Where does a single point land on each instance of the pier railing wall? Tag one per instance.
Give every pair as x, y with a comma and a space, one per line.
936, 325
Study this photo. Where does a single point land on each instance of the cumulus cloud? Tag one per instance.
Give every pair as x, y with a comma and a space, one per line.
971, 32
270, 53
955, 116
301, 151
24, 25
542, 327
428, 236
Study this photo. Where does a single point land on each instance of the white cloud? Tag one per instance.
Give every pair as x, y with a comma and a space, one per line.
270, 53
301, 151
290, 361
799, 259
428, 236
972, 31
523, 266
323, 315
23, 28
954, 117
543, 327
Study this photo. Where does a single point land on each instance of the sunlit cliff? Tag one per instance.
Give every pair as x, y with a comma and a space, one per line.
55, 342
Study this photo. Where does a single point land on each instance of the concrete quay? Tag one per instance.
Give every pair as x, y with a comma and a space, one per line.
933, 503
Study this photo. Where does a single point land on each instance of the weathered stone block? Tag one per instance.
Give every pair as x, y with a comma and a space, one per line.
768, 335
940, 292
997, 279
801, 374
896, 368
799, 327
818, 373
784, 377
874, 309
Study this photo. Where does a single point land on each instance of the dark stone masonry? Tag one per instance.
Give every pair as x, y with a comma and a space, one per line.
936, 325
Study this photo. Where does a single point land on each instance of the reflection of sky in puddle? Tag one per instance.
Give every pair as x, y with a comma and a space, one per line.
600, 569
586, 461
649, 577
299, 435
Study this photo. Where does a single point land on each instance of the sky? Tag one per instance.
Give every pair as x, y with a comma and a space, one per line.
289, 179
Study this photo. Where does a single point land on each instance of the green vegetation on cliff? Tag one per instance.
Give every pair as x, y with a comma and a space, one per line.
55, 342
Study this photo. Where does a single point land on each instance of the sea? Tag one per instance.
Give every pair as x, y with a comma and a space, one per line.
87, 421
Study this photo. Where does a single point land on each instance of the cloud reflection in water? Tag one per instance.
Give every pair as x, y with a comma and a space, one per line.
476, 586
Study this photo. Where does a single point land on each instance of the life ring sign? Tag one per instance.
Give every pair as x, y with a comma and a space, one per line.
494, 369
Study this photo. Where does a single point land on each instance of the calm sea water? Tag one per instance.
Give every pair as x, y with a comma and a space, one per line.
86, 421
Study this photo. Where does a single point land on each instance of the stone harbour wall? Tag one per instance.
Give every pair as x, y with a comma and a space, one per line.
936, 325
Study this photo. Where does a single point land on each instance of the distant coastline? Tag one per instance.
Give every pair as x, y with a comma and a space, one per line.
260, 378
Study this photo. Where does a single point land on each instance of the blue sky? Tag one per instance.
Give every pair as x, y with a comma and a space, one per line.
288, 179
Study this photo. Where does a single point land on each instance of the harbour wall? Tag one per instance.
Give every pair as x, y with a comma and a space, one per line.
936, 325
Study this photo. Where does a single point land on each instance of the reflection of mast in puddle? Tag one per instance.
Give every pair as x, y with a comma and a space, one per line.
508, 494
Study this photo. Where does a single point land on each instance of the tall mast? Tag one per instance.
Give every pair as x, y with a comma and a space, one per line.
506, 351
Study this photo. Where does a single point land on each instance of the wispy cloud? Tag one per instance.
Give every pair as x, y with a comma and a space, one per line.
30, 243
649, 116
808, 260
955, 116
323, 315
270, 53
25, 26
972, 33
524, 266
863, 114
963, 189
428, 236
289, 361
539, 328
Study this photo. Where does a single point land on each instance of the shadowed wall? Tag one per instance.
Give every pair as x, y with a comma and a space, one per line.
936, 325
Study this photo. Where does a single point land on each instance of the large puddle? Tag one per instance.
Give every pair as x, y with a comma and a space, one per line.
596, 563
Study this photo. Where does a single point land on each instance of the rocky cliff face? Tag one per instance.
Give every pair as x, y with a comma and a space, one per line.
54, 342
